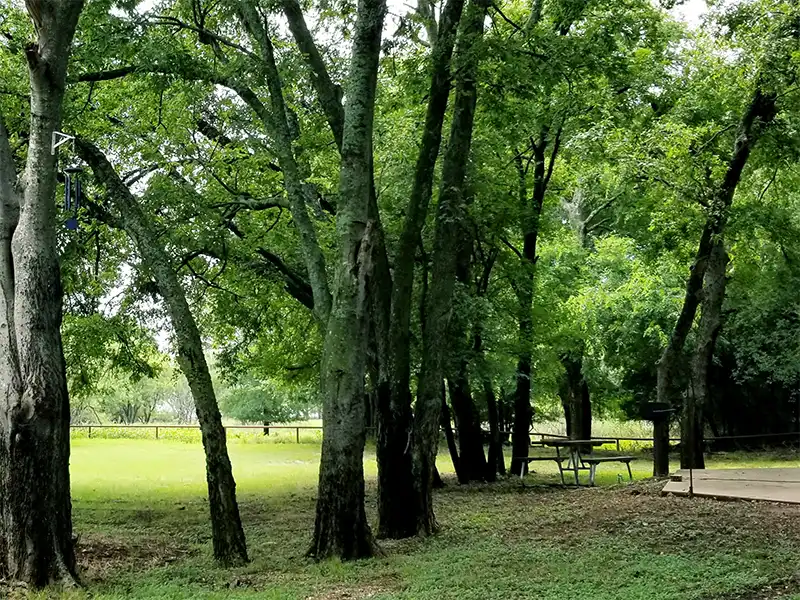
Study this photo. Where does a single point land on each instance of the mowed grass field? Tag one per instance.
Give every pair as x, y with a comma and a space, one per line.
141, 514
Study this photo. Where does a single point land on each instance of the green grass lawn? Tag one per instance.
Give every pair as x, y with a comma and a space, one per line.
140, 511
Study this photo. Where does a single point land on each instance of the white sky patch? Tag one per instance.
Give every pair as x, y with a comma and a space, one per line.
691, 12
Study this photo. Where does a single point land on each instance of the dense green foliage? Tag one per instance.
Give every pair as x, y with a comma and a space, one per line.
642, 111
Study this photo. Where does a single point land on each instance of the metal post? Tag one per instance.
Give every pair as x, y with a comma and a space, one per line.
156, 431
90, 431
618, 448
298, 435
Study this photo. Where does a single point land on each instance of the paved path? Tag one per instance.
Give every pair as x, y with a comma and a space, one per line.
774, 485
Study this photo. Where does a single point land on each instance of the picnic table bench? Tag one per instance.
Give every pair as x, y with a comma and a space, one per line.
575, 459
529, 459
594, 461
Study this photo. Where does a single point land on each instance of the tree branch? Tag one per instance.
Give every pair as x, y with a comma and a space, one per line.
329, 93
601, 208
513, 248
553, 155
107, 75
205, 36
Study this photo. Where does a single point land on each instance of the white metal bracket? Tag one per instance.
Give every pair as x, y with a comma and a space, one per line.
59, 139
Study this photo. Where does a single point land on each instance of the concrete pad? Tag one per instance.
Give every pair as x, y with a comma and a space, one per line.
771, 485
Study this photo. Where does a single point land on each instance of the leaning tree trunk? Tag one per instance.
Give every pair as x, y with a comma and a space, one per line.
35, 507
226, 526
449, 219
707, 333
341, 527
760, 112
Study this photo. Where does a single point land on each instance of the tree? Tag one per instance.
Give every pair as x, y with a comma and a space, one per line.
226, 527
36, 529
341, 527
252, 401
717, 196
450, 220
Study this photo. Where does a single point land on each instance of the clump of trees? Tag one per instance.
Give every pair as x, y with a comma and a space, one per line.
267, 402
460, 218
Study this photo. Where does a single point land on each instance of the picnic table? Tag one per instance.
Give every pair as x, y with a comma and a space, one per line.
578, 459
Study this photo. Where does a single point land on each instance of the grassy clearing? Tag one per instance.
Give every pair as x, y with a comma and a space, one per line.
140, 510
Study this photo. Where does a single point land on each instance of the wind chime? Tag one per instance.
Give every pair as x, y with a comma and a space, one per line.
73, 195
73, 188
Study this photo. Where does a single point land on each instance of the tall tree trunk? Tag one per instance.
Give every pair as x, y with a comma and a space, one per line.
226, 526
449, 220
35, 507
707, 332
396, 516
9, 357
470, 438
341, 527
760, 112
578, 407
468, 423
523, 412
447, 427
496, 463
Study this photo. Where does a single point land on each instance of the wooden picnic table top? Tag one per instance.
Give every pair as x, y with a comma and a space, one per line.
564, 442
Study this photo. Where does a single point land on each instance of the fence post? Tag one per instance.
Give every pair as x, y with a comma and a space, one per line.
90, 431
618, 445
298, 435
156, 431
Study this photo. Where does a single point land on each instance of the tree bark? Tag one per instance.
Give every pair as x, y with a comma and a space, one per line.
523, 412
449, 220
467, 416
707, 332
395, 484
226, 526
576, 399
470, 438
759, 113
35, 506
447, 426
396, 517
341, 527
496, 463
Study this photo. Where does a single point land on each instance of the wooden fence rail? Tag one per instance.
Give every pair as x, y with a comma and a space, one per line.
157, 428
297, 428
